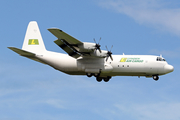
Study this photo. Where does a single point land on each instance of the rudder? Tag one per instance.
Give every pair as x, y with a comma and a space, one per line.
33, 41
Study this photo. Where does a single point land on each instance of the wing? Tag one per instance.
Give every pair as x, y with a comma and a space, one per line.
69, 44
76, 48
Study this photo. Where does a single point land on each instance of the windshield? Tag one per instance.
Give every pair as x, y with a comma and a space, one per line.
160, 59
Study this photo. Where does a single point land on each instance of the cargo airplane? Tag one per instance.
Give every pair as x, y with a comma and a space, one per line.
84, 58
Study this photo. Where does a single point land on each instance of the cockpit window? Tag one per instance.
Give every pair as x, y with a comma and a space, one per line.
160, 59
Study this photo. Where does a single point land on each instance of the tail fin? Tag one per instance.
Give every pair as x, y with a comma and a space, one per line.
33, 41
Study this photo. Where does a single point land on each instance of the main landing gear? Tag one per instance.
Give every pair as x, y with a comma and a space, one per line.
99, 79
93, 74
89, 74
155, 77
106, 79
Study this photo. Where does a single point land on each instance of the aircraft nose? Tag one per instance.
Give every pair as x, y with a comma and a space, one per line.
168, 68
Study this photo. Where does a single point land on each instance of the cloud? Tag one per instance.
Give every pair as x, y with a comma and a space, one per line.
157, 13
152, 111
56, 103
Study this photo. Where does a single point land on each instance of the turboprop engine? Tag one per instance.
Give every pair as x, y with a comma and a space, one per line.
87, 47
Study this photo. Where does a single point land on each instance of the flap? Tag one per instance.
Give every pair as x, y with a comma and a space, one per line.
68, 49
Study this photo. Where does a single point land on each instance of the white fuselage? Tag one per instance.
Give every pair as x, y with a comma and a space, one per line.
85, 58
122, 65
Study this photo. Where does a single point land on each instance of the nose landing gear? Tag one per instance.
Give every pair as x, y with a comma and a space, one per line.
155, 77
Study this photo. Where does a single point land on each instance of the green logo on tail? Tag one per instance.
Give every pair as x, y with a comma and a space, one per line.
33, 42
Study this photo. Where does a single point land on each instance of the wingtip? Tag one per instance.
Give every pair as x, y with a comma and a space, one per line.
54, 29
10, 47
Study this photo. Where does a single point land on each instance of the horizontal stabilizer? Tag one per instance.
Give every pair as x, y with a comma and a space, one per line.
26, 54
22, 52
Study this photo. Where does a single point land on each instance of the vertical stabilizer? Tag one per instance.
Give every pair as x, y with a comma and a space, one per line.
33, 41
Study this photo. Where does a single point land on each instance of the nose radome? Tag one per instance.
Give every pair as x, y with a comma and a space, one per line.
168, 68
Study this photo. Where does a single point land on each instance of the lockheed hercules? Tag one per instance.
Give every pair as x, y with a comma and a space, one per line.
84, 58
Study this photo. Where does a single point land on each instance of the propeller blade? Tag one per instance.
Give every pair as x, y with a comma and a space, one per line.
100, 50
109, 54
99, 40
97, 46
95, 40
111, 57
111, 47
107, 58
107, 48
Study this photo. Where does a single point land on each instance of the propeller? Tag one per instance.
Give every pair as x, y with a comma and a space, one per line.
109, 53
97, 46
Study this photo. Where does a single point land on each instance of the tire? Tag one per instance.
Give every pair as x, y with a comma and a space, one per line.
99, 79
89, 74
156, 77
107, 79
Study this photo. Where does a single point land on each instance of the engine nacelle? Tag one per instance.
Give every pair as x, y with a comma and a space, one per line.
98, 54
86, 47
90, 47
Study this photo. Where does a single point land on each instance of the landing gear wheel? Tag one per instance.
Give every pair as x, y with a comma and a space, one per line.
89, 74
107, 79
156, 77
99, 79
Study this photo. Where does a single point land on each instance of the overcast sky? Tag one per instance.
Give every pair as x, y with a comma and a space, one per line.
31, 90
